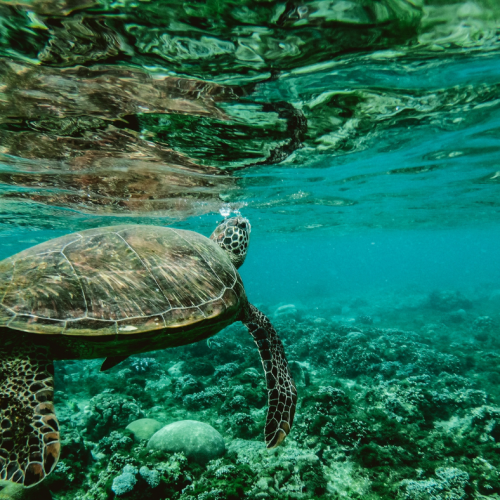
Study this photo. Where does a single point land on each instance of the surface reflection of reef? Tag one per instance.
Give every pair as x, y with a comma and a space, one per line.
244, 42
310, 85
96, 139
67, 139
112, 171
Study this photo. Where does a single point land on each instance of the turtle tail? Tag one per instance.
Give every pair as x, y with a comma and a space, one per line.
29, 431
281, 391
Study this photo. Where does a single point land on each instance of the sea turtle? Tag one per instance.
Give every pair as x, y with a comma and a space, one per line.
117, 291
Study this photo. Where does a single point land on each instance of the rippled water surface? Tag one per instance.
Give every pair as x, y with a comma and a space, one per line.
362, 140
312, 114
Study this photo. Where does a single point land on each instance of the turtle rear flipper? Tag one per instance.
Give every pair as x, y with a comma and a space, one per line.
281, 391
29, 431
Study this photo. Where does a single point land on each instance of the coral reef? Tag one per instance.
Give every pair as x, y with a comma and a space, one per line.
108, 411
401, 404
125, 482
450, 484
448, 300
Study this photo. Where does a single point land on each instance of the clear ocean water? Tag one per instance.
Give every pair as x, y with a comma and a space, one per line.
361, 139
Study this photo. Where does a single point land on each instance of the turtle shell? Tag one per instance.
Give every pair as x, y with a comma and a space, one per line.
118, 280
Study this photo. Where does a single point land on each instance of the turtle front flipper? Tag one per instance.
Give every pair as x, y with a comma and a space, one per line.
29, 431
281, 391
112, 361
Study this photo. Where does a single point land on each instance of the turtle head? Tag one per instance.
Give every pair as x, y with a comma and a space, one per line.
233, 235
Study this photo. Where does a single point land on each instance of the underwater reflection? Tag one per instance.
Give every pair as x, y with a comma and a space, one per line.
68, 139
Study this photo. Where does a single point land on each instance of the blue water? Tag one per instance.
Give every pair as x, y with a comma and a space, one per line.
322, 267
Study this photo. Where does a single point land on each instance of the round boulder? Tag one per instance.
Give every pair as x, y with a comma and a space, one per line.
198, 441
144, 428
286, 311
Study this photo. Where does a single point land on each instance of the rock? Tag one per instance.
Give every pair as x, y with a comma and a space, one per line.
176, 370
144, 428
198, 441
286, 311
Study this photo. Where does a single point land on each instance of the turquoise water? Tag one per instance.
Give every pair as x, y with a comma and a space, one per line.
361, 140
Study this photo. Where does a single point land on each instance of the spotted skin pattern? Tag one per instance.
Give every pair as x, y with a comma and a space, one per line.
282, 394
29, 430
233, 236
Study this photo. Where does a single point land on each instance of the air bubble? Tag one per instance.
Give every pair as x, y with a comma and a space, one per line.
225, 211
